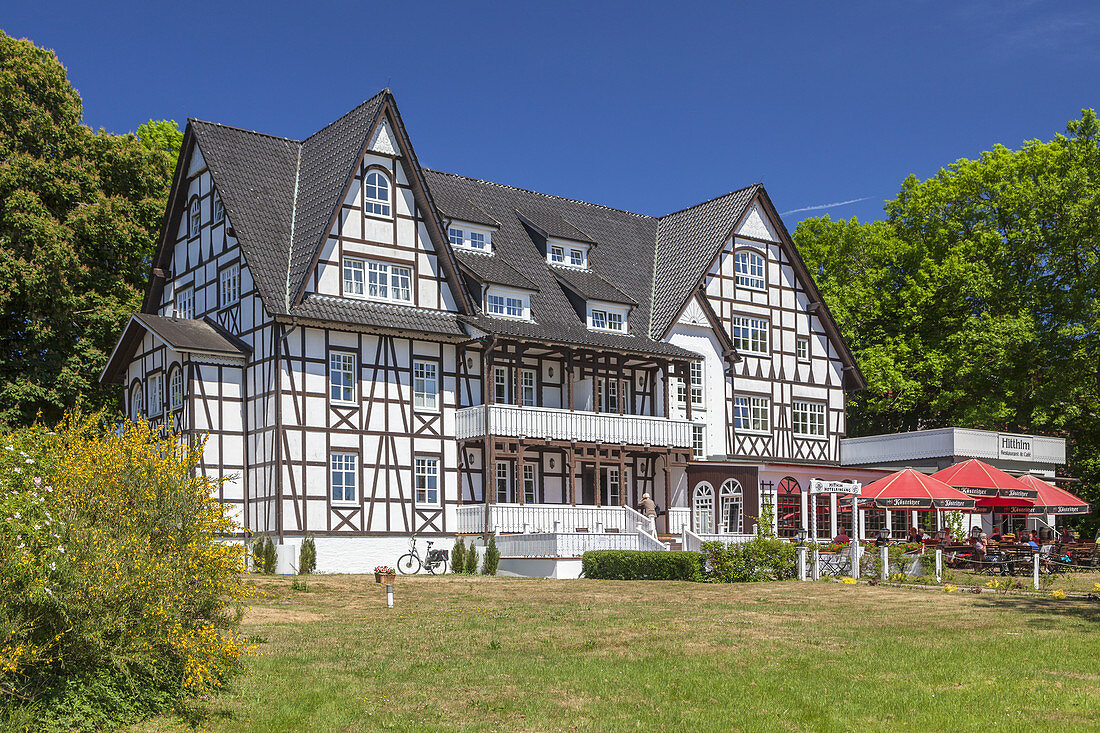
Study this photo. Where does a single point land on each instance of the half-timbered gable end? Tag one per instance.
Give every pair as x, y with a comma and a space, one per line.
372, 349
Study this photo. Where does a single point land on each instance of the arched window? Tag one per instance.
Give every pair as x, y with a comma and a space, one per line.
731, 497
175, 388
376, 194
702, 508
219, 209
194, 218
788, 507
136, 401
750, 270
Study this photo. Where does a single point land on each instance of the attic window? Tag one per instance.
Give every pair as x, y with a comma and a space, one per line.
506, 303
194, 219
376, 194
219, 209
607, 317
567, 254
471, 238
750, 270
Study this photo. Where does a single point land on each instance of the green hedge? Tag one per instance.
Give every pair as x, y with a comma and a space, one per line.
759, 559
642, 565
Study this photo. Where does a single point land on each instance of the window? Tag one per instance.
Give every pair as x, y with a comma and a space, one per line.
730, 498
608, 396
557, 255
698, 441
529, 483
500, 385
802, 348
194, 219
750, 335
376, 194
702, 508
599, 319
175, 388
354, 276
614, 321
425, 385
219, 209
455, 236
502, 482
387, 282
229, 285
504, 305
427, 481
788, 507
614, 487
808, 419
156, 394
477, 240
750, 270
605, 319
185, 303
527, 387
136, 407
576, 257
341, 376
469, 239
342, 475
697, 382
752, 414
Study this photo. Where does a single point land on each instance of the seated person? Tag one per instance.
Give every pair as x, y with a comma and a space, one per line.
842, 538
1032, 541
1066, 538
913, 535
979, 547
995, 536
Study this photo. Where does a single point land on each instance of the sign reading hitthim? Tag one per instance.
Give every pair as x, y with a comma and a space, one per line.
1013, 446
820, 486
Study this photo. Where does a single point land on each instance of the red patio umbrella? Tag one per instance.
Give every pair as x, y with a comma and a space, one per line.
1052, 500
909, 489
992, 486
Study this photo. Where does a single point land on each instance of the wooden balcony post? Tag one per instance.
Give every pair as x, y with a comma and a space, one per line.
688, 400
569, 381
668, 486
597, 477
463, 469
571, 477
665, 381
517, 383
622, 479
518, 483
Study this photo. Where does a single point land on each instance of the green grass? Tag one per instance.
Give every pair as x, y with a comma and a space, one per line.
489, 654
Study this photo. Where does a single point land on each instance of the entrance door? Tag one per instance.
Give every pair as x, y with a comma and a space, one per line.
588, 485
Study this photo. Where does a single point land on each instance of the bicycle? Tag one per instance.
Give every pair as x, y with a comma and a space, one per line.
435, 561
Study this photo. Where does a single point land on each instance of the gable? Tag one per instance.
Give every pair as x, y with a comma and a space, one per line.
383, 140
755, 224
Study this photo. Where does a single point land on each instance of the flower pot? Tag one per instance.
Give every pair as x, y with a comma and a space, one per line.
385, 579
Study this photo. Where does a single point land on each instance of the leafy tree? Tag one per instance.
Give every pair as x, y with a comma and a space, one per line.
79, 218
975, 302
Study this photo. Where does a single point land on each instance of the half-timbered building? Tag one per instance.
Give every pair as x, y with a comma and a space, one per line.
372, 349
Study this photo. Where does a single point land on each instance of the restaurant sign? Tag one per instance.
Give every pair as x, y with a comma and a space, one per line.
1014, 447
820, 486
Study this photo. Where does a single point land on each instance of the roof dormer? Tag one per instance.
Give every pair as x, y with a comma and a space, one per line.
471, 237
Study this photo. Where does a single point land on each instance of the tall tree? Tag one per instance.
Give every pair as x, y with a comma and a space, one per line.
79, 215
975, 302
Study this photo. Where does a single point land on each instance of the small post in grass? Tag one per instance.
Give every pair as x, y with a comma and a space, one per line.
884, 558
1035, 569
389, 595
801, 555
939, 564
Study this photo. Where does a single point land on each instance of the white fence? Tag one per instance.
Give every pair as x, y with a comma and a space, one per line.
573, 544
544, 422
694, 541
545, 518
679, 518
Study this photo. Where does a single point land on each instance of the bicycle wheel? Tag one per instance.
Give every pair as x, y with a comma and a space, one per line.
408, 564
436, 567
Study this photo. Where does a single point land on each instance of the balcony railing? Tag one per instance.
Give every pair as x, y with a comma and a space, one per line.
545, 422
573, 544
541, 518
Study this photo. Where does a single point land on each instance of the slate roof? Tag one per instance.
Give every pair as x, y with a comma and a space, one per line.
492, 269
591, 286
386, 316
182, 334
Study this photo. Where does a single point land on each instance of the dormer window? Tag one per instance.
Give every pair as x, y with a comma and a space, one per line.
564, 253
557, 256
577, 258
507, 303
750, 270
376, 194
467, 237
607, 317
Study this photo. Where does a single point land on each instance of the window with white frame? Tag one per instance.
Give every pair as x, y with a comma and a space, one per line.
469, 238
752, 414
136, 402
730, 497
529, 483
615, 321
502, 481
454, 235
702, 508
750, 270
608, 394
229, 285
698, 441
606, 318
427, 481
219, 209
599, 319
426, 385
477, 240
194, 219
384, 280
527, 387
185, 303
343, 476
614, 487
802, 348
506, 304
750, 335
697, 382
500, 385
175, 388
341, 376
556, 255
376, 194
578, 257
156, 394
355, 276
808, 419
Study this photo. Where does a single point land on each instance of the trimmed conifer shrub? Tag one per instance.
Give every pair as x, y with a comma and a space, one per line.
471, 560
307, 557
458, 556
492, 557
269, 557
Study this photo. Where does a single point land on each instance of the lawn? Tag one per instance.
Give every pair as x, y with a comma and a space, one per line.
485, 654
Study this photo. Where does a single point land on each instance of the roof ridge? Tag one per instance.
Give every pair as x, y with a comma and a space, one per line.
353, 109
244, 129
541, 193
710, 200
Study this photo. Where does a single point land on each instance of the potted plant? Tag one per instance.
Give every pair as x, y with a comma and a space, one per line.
384, 574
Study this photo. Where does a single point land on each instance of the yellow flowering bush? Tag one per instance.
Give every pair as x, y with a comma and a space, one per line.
1058, 593
119, 599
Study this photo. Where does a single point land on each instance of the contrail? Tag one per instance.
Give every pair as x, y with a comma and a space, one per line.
825, 206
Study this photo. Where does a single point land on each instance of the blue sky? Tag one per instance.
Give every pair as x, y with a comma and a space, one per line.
646, 107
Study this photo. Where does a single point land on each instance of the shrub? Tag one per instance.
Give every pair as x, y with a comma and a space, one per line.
458, 556
492, 557
641, 565
118, 599
760, 558
307, 557
471, 559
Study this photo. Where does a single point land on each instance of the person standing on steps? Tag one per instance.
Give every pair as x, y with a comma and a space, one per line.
648, 508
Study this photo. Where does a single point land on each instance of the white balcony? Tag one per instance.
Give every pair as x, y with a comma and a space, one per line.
573, 544
550, 518
591, 427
